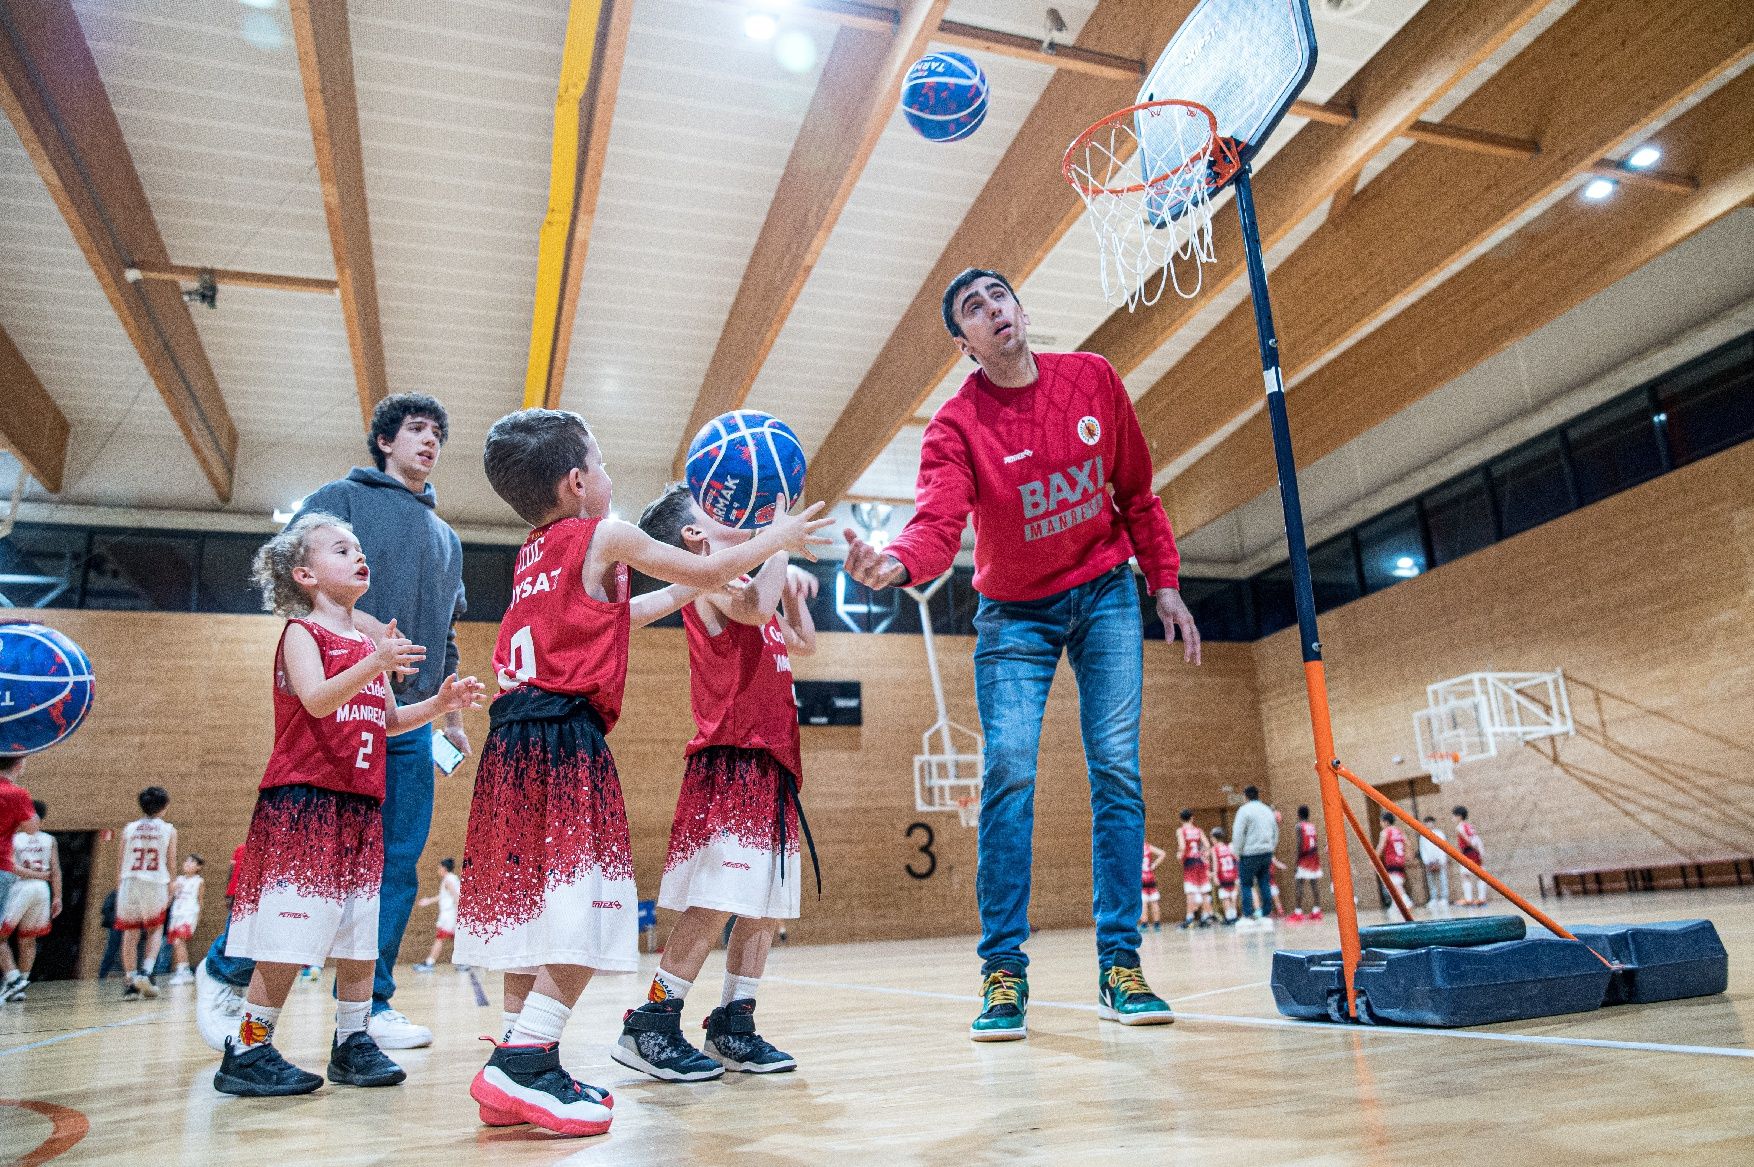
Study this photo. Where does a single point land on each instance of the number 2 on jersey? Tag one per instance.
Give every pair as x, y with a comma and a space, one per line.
362, 761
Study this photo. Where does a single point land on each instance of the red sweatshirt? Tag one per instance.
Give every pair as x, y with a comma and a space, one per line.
1057, 476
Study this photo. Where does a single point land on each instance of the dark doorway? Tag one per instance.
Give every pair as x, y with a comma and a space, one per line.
58, 952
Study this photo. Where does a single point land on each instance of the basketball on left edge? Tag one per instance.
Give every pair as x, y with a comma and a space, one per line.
46, 687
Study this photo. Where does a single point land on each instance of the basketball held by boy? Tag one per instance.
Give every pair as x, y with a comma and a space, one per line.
551, 907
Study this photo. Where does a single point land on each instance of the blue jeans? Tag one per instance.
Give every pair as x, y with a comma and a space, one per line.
1018, 646
1257, 874
407, 813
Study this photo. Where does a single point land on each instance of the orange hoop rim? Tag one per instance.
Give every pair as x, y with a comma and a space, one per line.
1220, 154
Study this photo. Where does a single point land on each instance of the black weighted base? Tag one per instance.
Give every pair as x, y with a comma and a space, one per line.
1511, 980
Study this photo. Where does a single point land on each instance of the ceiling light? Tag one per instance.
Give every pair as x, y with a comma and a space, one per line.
1599, 189
285, 516
760, 26
796, 52
1405, 567
1644, 158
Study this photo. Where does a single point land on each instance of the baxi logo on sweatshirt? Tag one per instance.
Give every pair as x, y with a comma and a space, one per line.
1082, 486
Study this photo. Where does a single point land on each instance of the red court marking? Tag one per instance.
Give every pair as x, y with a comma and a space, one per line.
70, 1127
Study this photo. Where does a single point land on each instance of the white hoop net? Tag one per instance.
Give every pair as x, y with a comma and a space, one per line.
968, 809
1152, 218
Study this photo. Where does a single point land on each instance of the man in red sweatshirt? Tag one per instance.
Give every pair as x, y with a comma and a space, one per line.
1045, 451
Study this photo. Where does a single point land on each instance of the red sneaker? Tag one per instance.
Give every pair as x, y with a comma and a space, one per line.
1295, 917
1315, 913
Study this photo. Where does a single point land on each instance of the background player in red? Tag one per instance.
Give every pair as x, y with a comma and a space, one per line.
185, 910
1468, 839
308, 885
143, 881
26, 914
734, 846
1307, 877
550, 906
1226, 869
445, 930
1150, 898
1392, 846
1192, 847
15, 811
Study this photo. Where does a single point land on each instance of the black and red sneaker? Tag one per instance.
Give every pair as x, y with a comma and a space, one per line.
651, 1042
525, 1083
731, 1038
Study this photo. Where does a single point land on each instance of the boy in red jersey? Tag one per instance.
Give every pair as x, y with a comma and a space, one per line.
734, 844
307, 883
1150, 897
143, 881
35, 900
1225, 869
1192, 847
1468, 839
1391, 845
548, 892
1309, 870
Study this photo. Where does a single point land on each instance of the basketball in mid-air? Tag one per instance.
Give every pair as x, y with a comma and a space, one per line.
944, 96
45, 687
741, 464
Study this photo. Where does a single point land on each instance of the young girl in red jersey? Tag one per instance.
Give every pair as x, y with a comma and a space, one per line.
1150, 896
734, 843
1226, 868
1309, 870
1468, 839
548, 892
1392, 846
1192, 846
307, 886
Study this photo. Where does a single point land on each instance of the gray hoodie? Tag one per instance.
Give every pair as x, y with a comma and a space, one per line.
417, 566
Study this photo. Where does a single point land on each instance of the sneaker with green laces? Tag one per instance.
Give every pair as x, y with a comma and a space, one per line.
1004, 1005
1124, 996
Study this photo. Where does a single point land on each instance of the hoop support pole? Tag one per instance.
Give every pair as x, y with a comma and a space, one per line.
1529, 909
1382, 870
1315, 678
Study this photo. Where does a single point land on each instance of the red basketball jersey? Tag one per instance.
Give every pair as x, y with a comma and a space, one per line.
343, 751
1469, 838
554, 634
1225, 860
1145, 871
740, 684
1187, 840
1306, 841
1394, 852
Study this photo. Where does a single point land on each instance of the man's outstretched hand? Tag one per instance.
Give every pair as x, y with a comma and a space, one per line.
1176, 617
873, 568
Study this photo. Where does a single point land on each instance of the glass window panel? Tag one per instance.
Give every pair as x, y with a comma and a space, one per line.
1333, 571
1392, 548
1220, 608
225, 584
487, 580
1709, 405
41, 566
1530, 484
1459, 516
1274, 606
1614, 447
142, 571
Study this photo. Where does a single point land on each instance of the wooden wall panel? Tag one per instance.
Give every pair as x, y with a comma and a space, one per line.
183, 701
1645, 599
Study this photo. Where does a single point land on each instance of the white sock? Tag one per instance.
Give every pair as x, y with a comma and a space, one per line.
508, 1021
541, 1022
350, 1017
738, 989
668, 986
256, 1025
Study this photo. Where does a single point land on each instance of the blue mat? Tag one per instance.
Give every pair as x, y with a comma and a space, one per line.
1540, 976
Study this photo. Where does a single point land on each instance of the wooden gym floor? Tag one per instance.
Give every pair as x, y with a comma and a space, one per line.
887, 1074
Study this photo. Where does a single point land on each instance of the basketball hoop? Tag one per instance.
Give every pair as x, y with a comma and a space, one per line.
1146, 174
1441, 766
968, 809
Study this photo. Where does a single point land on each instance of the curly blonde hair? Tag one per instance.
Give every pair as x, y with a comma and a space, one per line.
275, 561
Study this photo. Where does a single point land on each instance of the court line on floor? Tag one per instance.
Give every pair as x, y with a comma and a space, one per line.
60, 1037
1294, 1023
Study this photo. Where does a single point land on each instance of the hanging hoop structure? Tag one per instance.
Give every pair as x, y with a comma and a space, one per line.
1147, 174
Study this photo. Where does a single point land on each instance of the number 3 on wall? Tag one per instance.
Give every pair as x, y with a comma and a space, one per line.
925, 849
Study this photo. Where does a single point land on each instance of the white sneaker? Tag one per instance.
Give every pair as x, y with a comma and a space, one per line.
218, 1006
12, 989
144, 986
181, 977
391, 1030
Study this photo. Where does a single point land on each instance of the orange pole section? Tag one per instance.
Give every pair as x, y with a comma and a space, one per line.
1334, 824
1389, 805
1382, 871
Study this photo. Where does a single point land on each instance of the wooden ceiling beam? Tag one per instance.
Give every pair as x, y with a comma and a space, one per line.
32, 426
855, 97
186, 273
584, 112
1021, 213
325, 63
55, 99
1443, 42
1569, 253
1597, 78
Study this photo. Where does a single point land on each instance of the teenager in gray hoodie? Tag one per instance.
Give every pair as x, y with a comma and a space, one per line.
417, 580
